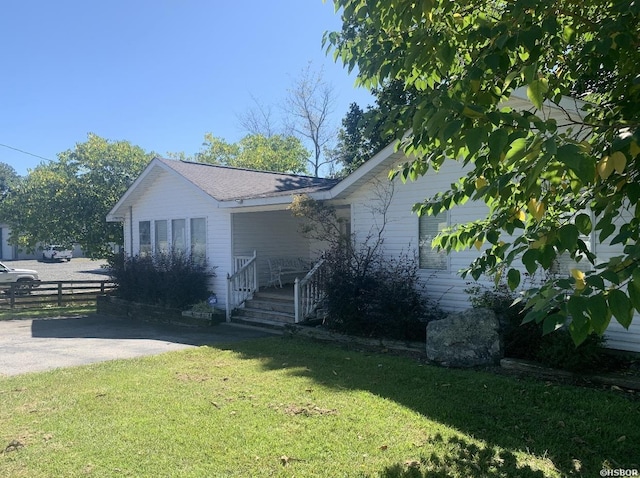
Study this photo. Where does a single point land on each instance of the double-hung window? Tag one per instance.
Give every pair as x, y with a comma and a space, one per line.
162, 237
144, 234
178, 235
198, 238
428, 229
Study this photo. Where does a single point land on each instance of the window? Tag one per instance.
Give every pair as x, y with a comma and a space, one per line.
198, 238
144, 231
564, 263
429, 227
162, 237
178, 235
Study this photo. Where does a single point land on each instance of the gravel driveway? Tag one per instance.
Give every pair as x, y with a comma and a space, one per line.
78, 268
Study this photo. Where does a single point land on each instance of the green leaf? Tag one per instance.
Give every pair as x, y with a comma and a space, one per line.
568, 237
529, 259
583, 223
516, 150
607, 230
577, 306
552, 323
513, 278
474, 139
537, 90
583, 166
634, 295
599, 313
498, 142
620, 306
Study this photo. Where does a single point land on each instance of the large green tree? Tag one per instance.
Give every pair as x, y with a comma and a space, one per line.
66, 202
279, 153
546, 182
365, 132
9, 179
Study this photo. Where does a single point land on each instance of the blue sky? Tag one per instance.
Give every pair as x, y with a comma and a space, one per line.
157, 73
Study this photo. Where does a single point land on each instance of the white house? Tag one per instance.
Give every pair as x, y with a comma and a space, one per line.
235, 216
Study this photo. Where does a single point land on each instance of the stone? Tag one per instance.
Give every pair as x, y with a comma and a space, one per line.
470, 338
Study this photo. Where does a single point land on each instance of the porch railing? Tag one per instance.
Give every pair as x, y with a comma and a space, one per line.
242, 284
309, 291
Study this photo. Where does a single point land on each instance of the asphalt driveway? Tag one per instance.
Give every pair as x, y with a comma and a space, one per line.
42, 344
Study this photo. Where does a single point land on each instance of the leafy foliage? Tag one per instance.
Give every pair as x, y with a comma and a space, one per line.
171, 279
364, 133
9, 179
373, 295
66, 202
526, 341
265, 153
546, 178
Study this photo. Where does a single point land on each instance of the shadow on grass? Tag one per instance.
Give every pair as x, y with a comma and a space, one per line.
577, 430
462, 459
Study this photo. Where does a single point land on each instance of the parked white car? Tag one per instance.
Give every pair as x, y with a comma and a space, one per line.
25, 278
56, 253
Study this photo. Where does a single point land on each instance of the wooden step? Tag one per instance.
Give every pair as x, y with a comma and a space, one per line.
250, 312
271, 305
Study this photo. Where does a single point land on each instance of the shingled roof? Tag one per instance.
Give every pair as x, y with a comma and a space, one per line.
225, 183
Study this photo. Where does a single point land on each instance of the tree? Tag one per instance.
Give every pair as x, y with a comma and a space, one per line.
259, 120
9, 179
274, 153
66, 202
309, 105
546, 182
364, 133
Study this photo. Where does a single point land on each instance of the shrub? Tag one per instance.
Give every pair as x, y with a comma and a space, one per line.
559, 351
526, 341
371, 295
171, 279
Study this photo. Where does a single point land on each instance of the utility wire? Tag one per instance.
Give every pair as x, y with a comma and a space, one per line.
26, 152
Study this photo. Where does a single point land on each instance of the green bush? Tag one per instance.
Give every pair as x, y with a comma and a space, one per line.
371, 295
171, 279
558, 350
526, 341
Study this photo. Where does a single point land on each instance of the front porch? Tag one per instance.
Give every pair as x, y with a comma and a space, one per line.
274, 305
269, 250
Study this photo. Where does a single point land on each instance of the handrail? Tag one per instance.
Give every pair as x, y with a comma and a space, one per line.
241, 285
309, 291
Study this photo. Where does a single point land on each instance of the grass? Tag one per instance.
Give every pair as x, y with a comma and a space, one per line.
43, 311
290, 407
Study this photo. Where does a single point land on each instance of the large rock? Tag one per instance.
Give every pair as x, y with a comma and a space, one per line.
465, 339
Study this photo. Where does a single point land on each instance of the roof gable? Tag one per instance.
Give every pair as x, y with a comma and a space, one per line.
225, 183
222, 184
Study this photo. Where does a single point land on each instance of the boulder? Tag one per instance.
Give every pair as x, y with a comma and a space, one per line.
465, 339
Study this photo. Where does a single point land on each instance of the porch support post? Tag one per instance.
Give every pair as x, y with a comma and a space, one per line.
228, 299
296, 300
255, 272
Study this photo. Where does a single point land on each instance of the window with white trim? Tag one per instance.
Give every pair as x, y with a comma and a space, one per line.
198, 238
563, 263
162, 236
144, 234
428, 229
179, 235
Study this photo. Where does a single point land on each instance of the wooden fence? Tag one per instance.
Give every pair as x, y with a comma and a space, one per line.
26, 294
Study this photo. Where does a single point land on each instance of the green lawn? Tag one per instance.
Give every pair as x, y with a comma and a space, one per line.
291, 407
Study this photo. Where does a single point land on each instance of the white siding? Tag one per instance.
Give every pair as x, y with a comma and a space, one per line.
270, 234
447, 287
171, 198
401, 229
